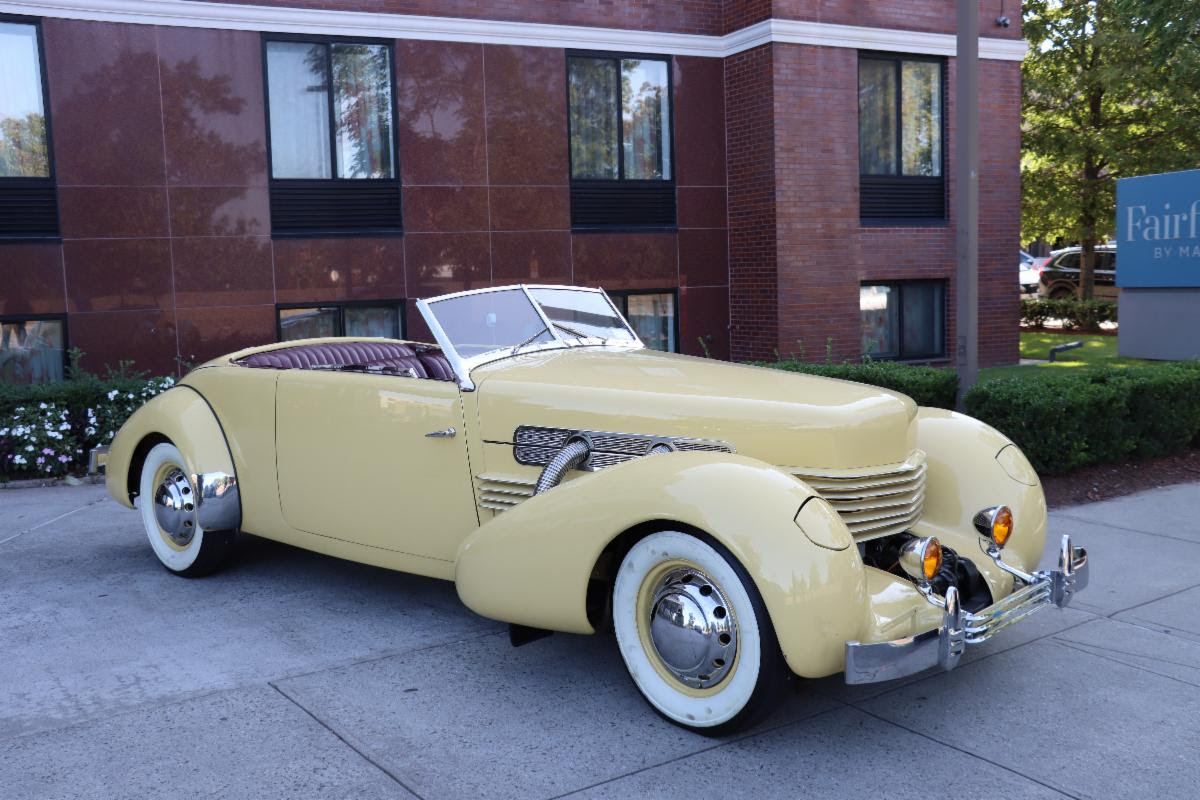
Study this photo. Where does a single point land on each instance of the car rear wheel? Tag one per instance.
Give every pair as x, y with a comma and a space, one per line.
695, 635
167, 501
1062, 293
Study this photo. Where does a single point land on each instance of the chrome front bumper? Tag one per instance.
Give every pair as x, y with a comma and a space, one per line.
943, 647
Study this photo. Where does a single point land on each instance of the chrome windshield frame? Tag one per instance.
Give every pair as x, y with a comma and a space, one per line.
463, 366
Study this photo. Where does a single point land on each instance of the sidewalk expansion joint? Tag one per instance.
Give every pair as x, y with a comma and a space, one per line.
1125, 528
56, 519
1090, 650
1136, 606
723, 743
967, 753
361, 751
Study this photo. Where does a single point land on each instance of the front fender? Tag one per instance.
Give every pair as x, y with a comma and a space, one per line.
182, 416
973, 466
531, 565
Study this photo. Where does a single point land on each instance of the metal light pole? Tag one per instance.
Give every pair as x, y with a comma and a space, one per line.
966, 197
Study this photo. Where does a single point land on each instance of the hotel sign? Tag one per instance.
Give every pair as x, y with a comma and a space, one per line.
1158, 230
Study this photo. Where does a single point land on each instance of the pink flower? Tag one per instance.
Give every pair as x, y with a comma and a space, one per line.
64, 459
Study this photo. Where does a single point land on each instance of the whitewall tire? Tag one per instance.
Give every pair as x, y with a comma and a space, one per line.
694, 633
167, 502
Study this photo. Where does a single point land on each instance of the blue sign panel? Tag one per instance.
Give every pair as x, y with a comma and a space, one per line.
1158, 230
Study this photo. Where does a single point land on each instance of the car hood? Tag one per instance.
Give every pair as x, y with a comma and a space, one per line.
783, 418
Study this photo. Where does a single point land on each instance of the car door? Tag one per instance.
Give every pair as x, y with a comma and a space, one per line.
1106, 275
357, 461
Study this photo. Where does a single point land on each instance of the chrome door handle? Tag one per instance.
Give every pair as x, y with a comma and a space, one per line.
448, 433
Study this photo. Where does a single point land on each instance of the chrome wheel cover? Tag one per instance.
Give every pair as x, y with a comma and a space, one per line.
175, 507
692, 628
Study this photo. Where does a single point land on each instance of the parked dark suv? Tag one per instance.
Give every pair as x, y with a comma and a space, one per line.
1060, 274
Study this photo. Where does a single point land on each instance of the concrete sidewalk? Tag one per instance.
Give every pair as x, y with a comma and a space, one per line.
292, 675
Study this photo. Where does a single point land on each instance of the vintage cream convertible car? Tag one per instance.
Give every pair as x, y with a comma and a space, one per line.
733, 525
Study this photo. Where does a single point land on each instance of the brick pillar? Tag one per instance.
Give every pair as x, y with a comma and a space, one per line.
749, 112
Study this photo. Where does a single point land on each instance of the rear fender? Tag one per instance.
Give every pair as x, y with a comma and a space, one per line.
183, 417
531, 565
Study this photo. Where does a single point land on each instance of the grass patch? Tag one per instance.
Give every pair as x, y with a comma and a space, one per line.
1098, 351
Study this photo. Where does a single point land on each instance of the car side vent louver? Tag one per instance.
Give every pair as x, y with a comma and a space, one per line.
536, 446
501, 493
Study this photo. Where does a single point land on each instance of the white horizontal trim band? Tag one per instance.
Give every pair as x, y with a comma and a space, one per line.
188, 14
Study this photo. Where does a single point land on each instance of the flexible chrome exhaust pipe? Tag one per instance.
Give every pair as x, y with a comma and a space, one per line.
571, 456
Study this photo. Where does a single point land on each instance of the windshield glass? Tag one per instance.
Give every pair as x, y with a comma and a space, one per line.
474, 327
480, 323
581, 315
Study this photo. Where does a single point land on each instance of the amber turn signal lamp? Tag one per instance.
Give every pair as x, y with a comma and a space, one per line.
996, 523
921, 558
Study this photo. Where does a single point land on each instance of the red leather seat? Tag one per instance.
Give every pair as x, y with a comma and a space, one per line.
424, 362
437, 365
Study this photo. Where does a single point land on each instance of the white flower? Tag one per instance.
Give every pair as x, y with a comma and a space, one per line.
42, 406
111, 395
28, 448
66, 426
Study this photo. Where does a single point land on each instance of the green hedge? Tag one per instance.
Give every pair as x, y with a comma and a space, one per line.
47, 430
1081, 315
1064, 421
1061, 419
928, 386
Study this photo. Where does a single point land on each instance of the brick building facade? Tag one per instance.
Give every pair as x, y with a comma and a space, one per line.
155, 223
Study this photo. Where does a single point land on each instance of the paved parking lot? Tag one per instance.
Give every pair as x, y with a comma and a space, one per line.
293, 675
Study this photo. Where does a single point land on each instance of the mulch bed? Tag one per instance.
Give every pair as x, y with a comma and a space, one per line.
1114, 480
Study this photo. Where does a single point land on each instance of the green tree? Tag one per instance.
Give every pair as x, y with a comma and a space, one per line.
23, 147
1111, 89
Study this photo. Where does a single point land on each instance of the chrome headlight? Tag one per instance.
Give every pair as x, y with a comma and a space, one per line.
996, 523
921, 558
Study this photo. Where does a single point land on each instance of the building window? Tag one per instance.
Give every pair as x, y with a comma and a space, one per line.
652, 317
32, 350
384, 320
330, 114
901, 133
905, 320
28, 205
620, 141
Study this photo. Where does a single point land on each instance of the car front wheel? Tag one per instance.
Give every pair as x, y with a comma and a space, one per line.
695, 635
167, 501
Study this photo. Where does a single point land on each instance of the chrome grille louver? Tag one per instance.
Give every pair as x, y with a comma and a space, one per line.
876, 502
501, 493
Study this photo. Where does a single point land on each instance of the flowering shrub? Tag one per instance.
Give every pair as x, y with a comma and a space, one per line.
39, 440
48, 430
